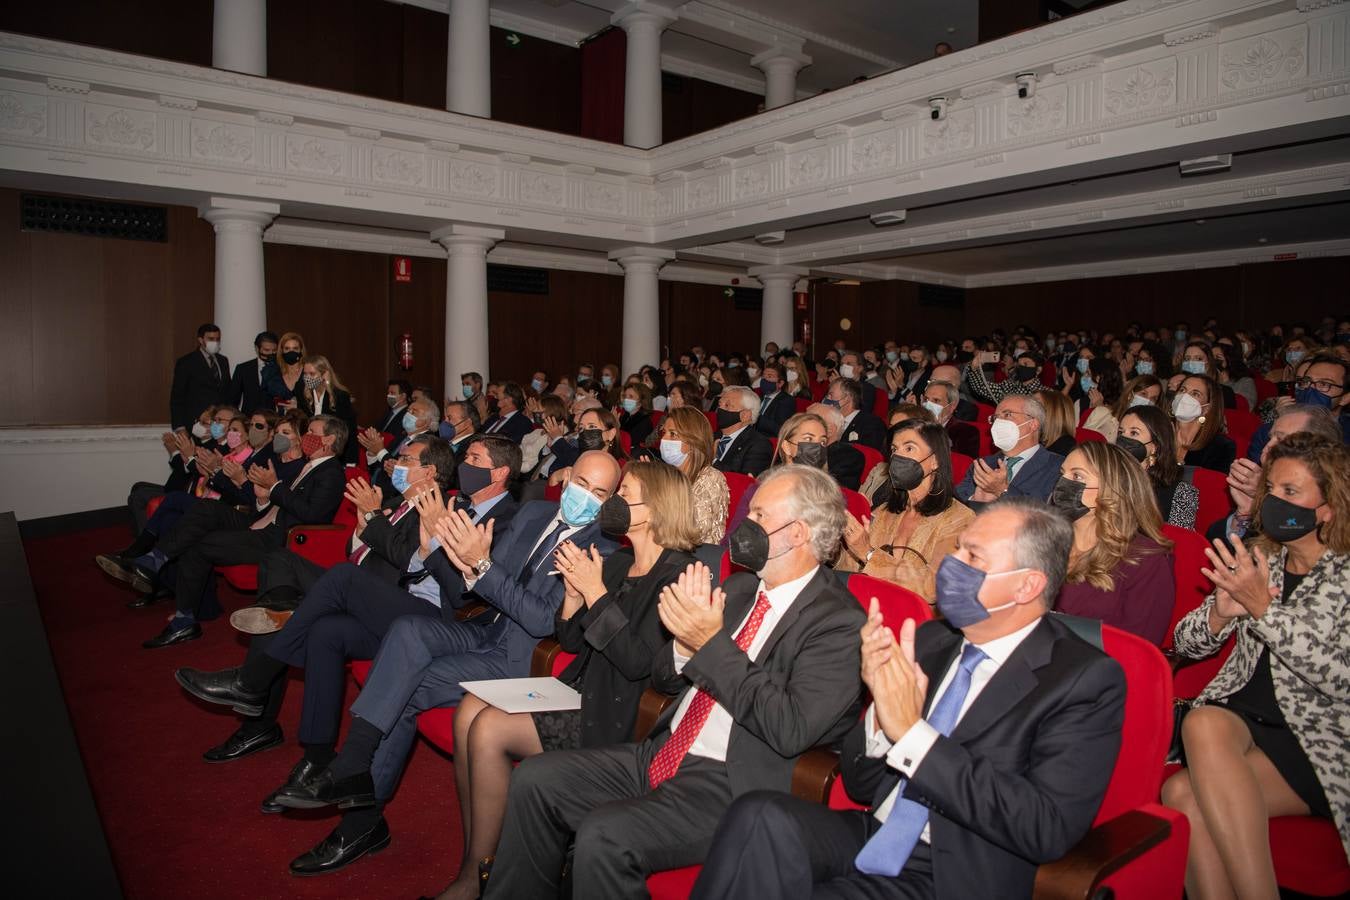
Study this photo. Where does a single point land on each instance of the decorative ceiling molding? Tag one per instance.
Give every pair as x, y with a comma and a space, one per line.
721, 10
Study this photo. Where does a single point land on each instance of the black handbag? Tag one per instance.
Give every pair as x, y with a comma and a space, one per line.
1176, 750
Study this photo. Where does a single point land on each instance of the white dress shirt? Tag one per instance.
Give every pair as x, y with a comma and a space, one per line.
712, 741
565, 534
907, 754
500, 423
428, 588
272, 514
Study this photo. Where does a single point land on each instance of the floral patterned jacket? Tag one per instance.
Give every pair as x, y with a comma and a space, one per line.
1309, 641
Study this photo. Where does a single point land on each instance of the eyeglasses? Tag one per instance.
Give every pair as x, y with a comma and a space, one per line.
259, 426
1006, 414
1326, 387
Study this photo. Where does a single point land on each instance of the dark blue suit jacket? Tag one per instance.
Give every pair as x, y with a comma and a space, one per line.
1034, 478
514, 428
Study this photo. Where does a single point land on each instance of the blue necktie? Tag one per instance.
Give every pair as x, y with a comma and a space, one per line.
889, 849
722, 444
541, 552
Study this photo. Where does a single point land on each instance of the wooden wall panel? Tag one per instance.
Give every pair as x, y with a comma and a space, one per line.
424, 52
168, 29
18, 404
691, 105
536, 83
135, 290
70, 359
699, 314
418, 308
580, 319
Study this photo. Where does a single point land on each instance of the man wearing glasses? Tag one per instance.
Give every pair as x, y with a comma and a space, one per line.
1022, 467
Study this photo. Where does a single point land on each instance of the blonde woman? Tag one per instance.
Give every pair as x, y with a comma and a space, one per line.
324, 394
802, 430
1120, 568
1060, 425
283, 376
687, 444
796, 378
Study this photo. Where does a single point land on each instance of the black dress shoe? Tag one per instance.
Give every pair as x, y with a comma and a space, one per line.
238, 746
346, 793
171, 635
143, 579
302, 774
144, 600
336, 852
115, 565
223, 688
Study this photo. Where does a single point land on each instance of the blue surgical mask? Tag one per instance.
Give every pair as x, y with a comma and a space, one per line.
1087, 383
537, 385
466, 390
1309, 395
1179, 334
1193, 366
673, 453
217, 430
1144, 367
399, 478
1294, 357
1083, 363
629, 405
958, 592
607, 380
409, 422
830, 401
892, 356
579, 506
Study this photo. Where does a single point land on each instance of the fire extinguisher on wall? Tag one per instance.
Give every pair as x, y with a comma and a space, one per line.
405, 352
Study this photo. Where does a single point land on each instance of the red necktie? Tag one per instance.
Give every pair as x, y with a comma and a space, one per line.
358, 555
667, 760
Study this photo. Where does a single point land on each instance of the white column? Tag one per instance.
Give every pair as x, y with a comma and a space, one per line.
241, 294
468, 79
776, 312
466, 301
643, 23
239, 36
780, 66
641, 304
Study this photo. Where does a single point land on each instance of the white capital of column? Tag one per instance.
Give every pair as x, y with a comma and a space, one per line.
466, 302
780, 66
643, 23
468, 78
239, 36
641, 304
775, 322
241, 292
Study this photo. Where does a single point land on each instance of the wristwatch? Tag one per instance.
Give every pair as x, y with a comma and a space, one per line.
370, 515
481, 567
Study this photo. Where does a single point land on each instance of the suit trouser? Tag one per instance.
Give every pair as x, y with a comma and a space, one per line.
342, 616
419, 667
624, 829
285, 568
235, 547
170, 511
142, 492
202, 519
773, 845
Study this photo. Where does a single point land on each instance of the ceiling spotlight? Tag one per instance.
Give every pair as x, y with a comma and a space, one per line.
771, 237
1204, 165
891, 217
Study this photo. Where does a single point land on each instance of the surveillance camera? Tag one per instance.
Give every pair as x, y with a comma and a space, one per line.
938, 108
1026, 85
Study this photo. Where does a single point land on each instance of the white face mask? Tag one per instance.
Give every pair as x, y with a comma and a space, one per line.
200, 431
846, 370
1005, 434
752, 372
934, 408
213, 347
1186, 408
1140, 400
791, 374
672, 453
942, 356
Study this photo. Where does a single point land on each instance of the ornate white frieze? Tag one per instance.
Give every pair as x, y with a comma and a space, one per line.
1140, 88
222, 141
23, 114
1263, 59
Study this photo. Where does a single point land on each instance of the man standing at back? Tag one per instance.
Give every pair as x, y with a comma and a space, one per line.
200, 379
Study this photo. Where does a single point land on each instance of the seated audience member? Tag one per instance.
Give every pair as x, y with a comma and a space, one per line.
538, 449
422, 660
881, 471
845, 460
1267, 736
1036, 743
687, 444
739, 445
1323, 384
510, 420
776, 405
422, 416
1120, 569
1022, 467
1061, 428
941, 398
342, 613
852, 368
201, 378
1147, 434
634, 410
459, 423
608, 618
1024, 378
915, 517
397, 396
284, 377
1097, 392
966, 410
1197, 409
1142, 390
655, 804
609, 384
325, 395
796, 380
229, 537
181, 444
803, 430
471, 390
1232, 371
248, 390
1287, 360
860, 426
1197, 359
683, 393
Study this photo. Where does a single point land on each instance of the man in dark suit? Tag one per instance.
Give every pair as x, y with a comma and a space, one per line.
739, 447
764, 671
775, 407
941, 398
966, 410
349, 608
422, 661
311, 498
854, 367
246, 387
1022, 467
397, 396
844, 461
200, 379
860, 426
986, 750
422, 416
510, 420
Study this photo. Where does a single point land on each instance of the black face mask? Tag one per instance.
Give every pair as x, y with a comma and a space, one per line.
616, 516
749, 544
291, 357
812, 455
714, 388
266, 358
1023, 373
1137, 449
964, 356
1067, 497
473, 479
590, 439
1284, 521
906, 474
727, 419
908, 365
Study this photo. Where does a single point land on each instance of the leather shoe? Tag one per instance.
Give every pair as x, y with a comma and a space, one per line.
302, 775
171, 635
259, 619
325, 790
223, 688
238, 746
115, 565
142, 579
144, 600
336, 852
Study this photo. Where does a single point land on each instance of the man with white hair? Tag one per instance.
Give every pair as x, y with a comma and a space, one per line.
765, 668
740, 447
844, 461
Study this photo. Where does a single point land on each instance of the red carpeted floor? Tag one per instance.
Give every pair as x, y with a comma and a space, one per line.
181, 827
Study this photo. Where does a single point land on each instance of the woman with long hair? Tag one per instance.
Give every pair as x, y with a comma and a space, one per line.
609, 619
324, 394
635, 412
1141, 390
1058, 436
1120, 567
1267, 737
1197, 409
687, 444
802, 430
1147, 434
916, 518
796, 379
283, 377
